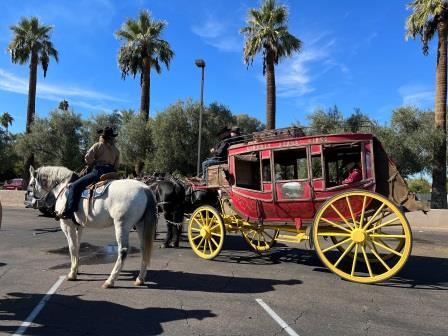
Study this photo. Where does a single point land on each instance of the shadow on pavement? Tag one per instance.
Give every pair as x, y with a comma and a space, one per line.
211, 283
421, 272
70, 315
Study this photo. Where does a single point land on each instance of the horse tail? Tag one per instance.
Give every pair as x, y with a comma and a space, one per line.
149, 225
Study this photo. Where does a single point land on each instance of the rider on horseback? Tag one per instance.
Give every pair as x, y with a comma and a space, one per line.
103, 157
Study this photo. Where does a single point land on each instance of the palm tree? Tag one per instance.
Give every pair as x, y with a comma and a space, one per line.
31, 42
6, 120
143, 49
63, 105
267, 32
428, 18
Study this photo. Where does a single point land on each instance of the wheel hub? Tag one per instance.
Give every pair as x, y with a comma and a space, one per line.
359, 236
205, 232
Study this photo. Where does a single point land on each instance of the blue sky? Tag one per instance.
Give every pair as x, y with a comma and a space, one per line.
354, 55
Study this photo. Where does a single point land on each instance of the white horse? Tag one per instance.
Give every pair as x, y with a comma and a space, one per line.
125, 204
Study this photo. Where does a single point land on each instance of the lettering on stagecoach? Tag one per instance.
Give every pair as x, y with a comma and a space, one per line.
286, 143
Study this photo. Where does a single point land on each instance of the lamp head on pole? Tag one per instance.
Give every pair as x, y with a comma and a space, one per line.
200, 63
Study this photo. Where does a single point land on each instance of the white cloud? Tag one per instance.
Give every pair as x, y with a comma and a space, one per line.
11, 83
295, 75
219, 34
416, 95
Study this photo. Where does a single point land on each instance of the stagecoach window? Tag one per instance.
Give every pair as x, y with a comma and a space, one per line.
247, 171
266, 168
316, 164
338, 159
290, 164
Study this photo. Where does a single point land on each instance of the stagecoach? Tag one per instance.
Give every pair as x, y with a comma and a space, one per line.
285, 186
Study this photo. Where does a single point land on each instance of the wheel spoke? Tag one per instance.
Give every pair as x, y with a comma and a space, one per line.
335, 225
200, 242
374, 216
216, 234
196, 237
199, 223
210, 246
373, 250
351, 211
334, 234
342, 217
344, 254
205, 245
195, 229
267, 234
355, 257
387, 248
366, 260
383, 224
214, 241
202, 218
214, 226
391, 236
361, 220
336, 245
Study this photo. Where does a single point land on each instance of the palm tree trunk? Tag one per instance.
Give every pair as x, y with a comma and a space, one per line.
270, 91
438, 195
31, 110
144, 98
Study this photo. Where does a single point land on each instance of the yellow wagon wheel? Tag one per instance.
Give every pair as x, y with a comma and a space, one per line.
397, 244
363, 226
259, 239
206, 232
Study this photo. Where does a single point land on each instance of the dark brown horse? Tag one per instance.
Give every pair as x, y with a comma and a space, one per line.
174, 199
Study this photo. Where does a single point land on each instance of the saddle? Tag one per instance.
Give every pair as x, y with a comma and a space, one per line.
96, 190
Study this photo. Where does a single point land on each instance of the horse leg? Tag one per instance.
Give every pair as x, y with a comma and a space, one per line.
143, 266
178, 219
169, 226
122, 236
73, 240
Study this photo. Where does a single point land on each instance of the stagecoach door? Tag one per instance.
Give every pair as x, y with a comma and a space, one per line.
291, 179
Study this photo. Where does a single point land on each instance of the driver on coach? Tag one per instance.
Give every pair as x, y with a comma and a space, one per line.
103, 157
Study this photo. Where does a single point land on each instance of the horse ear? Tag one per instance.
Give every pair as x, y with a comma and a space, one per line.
32, 171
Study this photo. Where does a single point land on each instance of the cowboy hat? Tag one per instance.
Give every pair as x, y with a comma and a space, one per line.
223, 130
107, 132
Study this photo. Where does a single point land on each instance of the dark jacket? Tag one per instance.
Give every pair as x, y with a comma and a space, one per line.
221, 148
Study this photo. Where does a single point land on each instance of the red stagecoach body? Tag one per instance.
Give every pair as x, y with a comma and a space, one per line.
284, 186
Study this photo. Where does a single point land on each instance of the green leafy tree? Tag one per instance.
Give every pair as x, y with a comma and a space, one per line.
55, 140
267, 33
419, 185
175, 135
247, 124
326, 121
135, 141
409, 139
430, 18
143, 50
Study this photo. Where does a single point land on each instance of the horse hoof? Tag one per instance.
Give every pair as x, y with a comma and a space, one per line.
139, 282
71, 277
107, 285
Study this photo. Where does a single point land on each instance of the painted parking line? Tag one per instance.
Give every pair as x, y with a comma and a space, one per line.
277, 318
39, 307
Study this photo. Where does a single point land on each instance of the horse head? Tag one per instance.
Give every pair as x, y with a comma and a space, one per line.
36, 184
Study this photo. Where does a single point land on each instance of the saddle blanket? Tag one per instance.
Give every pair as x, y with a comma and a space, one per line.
97, 192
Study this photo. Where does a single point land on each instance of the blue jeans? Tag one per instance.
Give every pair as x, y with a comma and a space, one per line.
207, 163
76, 188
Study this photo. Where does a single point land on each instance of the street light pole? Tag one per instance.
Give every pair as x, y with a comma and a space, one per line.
201, 64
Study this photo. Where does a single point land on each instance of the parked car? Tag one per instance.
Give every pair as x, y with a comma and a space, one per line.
15, 184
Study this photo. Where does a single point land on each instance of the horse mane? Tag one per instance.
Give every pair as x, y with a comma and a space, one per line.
49, 176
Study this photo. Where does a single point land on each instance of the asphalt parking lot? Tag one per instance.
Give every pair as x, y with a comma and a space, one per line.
186, 295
